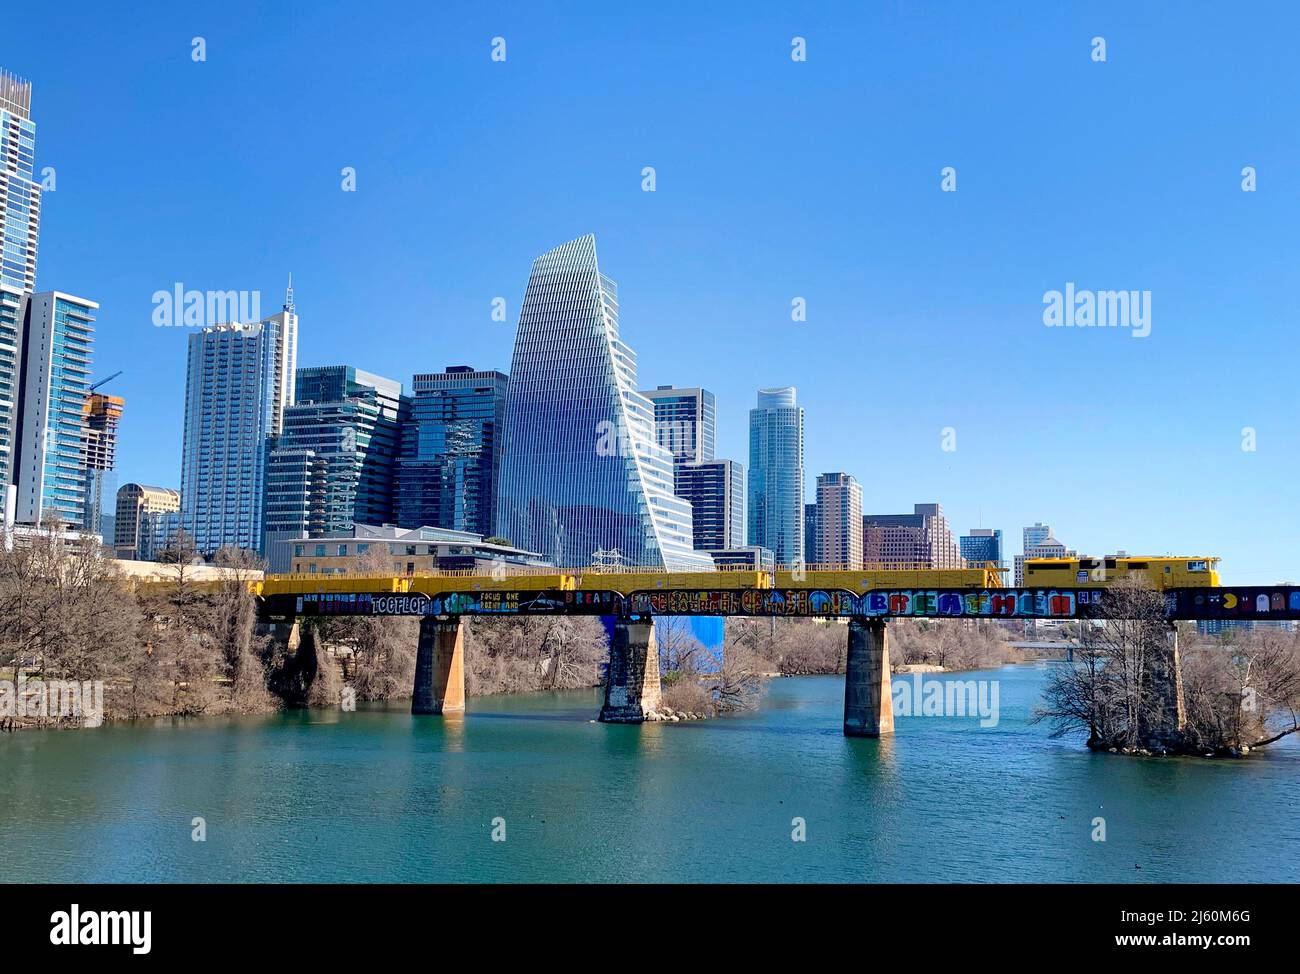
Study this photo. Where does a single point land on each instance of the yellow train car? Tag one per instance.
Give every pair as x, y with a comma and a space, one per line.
1162, 573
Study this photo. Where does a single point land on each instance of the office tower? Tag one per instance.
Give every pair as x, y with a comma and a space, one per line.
1038, 542
776, 511
921, 538
239, 383
102, 416
685, 422
20, 193
331, 466
51, 468
982, 545
138, 510
812, 533
583, 480
13, 317
450, 464
839, 513
716, 493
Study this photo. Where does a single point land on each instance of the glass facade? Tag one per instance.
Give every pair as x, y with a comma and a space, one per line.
140, 509
13, 312
238, 385
776, 504
20, 193
52, 424
716, 492
583, 481
331, 466
685, 422
449, 471
981, 545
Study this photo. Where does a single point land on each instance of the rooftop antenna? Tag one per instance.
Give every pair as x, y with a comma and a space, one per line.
288, 294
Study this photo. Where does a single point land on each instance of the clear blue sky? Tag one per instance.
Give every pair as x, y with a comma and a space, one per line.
775, 179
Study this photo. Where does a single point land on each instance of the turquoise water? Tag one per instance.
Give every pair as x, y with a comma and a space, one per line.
378, 795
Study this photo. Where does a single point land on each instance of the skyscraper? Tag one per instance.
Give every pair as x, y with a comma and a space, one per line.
103, 414
921, 538
238, 385
583, 479
812, 532
450, 464
1039, 542
776, 511
716, 493
331, 466
685, 422
20, 194
13, 317
51, 471
982, 545
839, 515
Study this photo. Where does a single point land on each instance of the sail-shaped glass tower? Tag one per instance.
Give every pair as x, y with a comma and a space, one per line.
583, 480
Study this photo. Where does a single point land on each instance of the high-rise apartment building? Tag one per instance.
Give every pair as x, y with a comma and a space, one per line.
583, 480
982, 545
240, 380
20, 193
839, 515
140, 519
812, 532
13, 318
450, 467
716, 493
776, 501
921, 538
50, 477
685, 422
103, 414
331, 466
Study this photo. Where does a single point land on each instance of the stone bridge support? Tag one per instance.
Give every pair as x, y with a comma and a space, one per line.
1167, 721
868, 699
632, 685
440, 667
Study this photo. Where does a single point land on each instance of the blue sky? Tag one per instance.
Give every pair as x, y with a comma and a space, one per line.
775, 180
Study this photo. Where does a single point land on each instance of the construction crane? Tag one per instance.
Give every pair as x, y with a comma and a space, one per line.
105, 381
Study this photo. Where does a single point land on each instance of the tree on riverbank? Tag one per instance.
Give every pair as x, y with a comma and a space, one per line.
1238, 694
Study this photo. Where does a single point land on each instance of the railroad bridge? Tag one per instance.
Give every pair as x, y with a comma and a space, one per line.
868, 598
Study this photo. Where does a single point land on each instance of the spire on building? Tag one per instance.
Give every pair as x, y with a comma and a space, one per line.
288, 294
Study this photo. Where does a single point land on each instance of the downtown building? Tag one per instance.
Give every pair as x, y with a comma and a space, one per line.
776, 496
146, 521
103, 414
449, 471
331, 466
839, 521
922, 539
239, 382
982, 545
686, 422
1037, 541
583, 479
715, 489
20, 194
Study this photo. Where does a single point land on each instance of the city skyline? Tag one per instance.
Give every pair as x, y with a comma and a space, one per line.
1136, 489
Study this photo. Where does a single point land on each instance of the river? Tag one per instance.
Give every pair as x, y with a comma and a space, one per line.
377, 795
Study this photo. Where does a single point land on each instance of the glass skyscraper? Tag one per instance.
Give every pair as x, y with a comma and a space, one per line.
451, 451
776, 504
13, 314
51, 475
331, 466
583, 481
716, 492
685, 422
238, 385
20, 194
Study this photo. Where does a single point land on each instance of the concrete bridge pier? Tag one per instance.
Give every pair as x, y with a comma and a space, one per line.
632, 685
1167, 722
440, 667
868, 699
